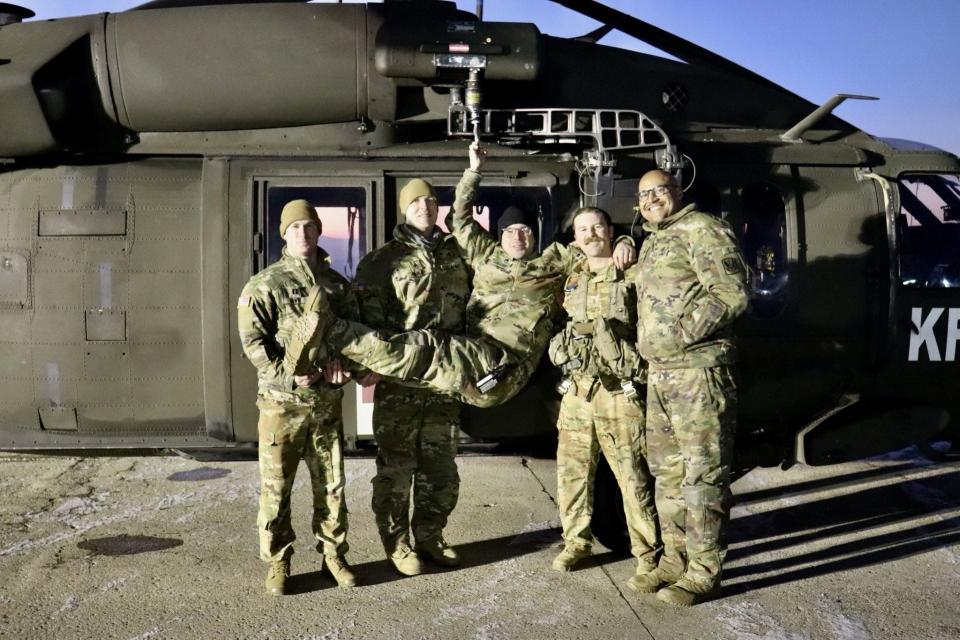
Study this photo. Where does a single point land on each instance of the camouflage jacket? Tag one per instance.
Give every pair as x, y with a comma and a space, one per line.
598, 339
691, 285
270, 303
513, 300
404, 285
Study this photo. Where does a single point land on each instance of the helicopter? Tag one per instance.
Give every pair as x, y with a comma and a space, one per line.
145, 157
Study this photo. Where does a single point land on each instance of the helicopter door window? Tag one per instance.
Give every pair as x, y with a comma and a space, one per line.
492, 201
929, 229
342, 212
763, 234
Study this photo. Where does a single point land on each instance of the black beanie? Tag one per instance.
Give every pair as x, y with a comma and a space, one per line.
516, 215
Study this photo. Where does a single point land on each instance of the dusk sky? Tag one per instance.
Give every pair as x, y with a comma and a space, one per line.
901, 52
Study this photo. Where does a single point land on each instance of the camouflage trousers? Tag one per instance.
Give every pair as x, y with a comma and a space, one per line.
416, 432
691, 417
592, 420
289, 433
446, 363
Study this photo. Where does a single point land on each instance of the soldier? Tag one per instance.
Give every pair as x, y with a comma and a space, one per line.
601, 408
691, 285
299, 414
418, 280
509, 316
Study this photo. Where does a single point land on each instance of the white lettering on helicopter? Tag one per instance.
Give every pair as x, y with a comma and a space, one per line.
923, 336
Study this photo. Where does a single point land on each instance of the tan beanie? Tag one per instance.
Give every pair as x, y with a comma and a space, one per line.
414, 189
298, 210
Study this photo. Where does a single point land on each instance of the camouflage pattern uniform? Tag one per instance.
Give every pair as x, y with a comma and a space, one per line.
295, 423
413, 283
601, 410
691, 284
509, 318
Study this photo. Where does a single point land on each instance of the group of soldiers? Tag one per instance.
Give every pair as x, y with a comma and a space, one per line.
643, 340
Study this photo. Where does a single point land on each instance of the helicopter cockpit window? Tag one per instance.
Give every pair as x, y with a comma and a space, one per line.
929, 229
763, 234
342, 212
492, 201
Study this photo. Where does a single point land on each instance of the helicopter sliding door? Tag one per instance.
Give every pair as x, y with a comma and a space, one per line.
927, 278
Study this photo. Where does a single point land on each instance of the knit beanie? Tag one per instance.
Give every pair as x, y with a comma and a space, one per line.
414, 189
298, 210
516, 215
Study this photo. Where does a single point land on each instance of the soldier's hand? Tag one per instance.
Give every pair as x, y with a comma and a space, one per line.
369, 380
624, 255
478, 156
307, 379
335, 374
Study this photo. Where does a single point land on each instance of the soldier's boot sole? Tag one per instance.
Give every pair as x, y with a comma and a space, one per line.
307, 340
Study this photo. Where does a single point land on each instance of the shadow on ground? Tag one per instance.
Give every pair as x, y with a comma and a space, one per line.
900, 504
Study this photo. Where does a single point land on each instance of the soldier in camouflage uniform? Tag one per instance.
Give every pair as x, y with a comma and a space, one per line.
691, 285
509, 317
418, 280
601, 409
299, 414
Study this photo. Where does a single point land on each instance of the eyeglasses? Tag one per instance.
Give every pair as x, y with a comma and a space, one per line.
659, 190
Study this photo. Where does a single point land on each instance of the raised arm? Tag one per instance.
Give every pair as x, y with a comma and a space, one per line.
476, 242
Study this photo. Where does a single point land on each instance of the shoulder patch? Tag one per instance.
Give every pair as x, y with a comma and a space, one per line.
732, 265
244, 301
572, 284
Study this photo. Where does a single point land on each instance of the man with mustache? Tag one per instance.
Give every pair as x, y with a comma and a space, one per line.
601, 409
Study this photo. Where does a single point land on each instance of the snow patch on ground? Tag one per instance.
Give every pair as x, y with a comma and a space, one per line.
749, 621
842, 625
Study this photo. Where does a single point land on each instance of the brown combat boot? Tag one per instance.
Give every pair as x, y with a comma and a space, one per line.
405, 561
340, 571
569, 558
438, 552
686, 592
277, 575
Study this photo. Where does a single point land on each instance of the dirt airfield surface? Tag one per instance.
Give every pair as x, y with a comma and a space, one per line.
164, 547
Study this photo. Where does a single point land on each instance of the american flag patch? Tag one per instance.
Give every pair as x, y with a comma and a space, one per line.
244, 301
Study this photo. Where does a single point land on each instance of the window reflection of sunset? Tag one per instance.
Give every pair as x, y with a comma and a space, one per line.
335, 238
334, 221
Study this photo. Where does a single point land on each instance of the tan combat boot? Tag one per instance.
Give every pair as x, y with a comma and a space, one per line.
438, 552
277, 575
405, 561
686, 592
647, 580
568, 558
340, 571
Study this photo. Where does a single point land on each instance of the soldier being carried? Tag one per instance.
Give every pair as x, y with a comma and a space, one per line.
510, 312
